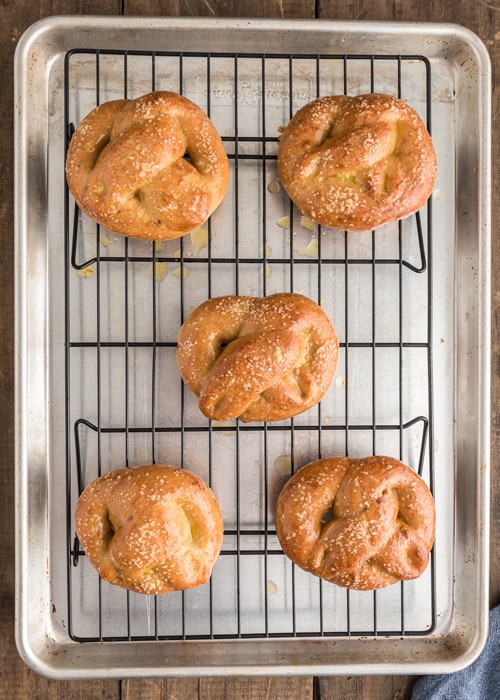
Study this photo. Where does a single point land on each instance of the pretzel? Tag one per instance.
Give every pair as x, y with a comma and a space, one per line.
127, 168
359, 523
257, 359
356, 163
151, 529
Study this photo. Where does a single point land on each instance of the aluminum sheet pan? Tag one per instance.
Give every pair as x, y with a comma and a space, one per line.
96, 324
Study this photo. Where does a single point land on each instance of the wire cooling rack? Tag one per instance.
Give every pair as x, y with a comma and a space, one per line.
126, 299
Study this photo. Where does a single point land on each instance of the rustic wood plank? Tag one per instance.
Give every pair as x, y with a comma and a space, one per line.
221, 8
166, 689
76, 690
243, 688
279, 688
16, 680
365, 687
487, 25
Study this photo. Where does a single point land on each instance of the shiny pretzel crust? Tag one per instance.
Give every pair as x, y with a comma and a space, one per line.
359, 523
126, 167
151, 529
257, 359
356, 163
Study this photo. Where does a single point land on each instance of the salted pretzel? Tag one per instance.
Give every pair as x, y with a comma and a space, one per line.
359, 523
257, 359
153, 167
151, 529
356, 163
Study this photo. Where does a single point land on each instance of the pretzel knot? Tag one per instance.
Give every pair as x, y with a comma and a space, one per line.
358, 523
258, 359
356, 163
151, 529
127, 167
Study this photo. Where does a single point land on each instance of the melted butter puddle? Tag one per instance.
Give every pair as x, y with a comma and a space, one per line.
85, 273
283, 222
231, 425
310, 251
177, 273
160, 272
307, 223
272, 588
199, 239
283, 464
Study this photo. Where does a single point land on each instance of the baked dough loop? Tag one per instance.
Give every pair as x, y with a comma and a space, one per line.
127, 169
356, 163
151, 529
257, 359
359, 523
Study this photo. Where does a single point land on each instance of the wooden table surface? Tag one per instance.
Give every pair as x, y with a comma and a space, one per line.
16, 680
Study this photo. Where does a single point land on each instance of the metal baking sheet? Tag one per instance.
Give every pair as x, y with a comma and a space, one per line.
96, 326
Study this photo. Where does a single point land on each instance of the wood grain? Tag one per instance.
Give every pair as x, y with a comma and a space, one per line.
395, 687
218, 689
16, 681
222, 8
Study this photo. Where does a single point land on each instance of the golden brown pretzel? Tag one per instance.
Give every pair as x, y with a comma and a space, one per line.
358, 523
152, 529
356, 163
258, 359
126, 167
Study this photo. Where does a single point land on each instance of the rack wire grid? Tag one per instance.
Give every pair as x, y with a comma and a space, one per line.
125, 300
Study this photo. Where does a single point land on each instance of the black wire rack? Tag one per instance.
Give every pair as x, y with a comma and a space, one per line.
125, 301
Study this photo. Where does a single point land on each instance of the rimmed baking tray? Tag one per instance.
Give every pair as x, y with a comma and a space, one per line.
96, 327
